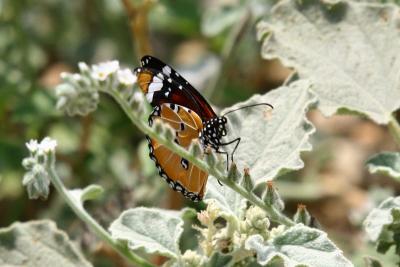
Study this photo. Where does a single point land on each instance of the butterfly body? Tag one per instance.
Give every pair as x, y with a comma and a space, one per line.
213, 131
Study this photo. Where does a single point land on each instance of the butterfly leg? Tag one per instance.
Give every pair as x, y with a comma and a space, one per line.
237, 140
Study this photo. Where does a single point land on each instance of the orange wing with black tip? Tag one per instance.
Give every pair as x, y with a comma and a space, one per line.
162, 84
180, 174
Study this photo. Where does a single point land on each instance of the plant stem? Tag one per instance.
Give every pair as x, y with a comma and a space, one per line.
394, 128
92, 224
232, 40
139, 25
275, 215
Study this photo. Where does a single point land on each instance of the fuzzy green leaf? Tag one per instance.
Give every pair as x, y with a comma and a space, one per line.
227, 199
387, 163
272, 140
219, 260
154, 230
383, 221
349, 49
298, 246
90, 192
38, 243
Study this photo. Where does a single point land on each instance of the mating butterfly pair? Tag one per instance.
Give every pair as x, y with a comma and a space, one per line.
178, 103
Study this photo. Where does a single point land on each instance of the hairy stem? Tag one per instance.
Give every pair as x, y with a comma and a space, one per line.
394, 128
92, 224
274, 214
232, 40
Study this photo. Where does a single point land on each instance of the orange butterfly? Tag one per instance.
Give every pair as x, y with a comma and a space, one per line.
177, 103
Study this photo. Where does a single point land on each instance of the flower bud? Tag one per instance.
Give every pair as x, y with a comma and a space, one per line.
76, 101
211, 158
256, 222
28, 163
302, 215
83, 68
272, 198
233, 173
158, 126
192, 259
195, 148
247, 183
42, 155
169, 132
37, 183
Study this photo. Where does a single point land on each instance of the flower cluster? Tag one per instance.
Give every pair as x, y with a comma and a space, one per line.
79, 92
226, 233
41, 157
192, 259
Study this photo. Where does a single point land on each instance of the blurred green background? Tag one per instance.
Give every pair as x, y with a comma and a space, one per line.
41, 39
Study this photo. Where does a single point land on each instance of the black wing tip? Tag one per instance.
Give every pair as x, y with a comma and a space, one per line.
146, 56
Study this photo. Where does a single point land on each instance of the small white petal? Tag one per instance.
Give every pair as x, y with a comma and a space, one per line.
103, 70
32, 145
126, 77
83, 66
48, 145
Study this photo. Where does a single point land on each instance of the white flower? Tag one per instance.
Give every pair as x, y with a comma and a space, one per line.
103, 70
126, 77
47, 145
83, 66
32, 145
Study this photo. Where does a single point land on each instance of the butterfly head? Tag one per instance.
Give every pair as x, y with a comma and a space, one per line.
213, 130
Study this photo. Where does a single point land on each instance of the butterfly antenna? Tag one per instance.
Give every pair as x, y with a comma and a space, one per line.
249, 106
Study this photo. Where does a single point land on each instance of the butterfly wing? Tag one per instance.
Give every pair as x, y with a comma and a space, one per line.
180, 174
188, 95
160, 89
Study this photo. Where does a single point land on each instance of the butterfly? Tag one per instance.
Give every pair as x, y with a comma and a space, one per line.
176, 102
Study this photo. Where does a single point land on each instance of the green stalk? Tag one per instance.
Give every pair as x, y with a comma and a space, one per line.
92, 224
274, 214
394, 128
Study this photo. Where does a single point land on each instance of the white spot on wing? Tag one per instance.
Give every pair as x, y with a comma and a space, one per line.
155, 85
157, 79
166, 70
